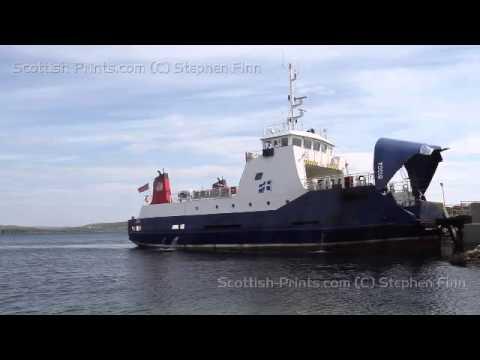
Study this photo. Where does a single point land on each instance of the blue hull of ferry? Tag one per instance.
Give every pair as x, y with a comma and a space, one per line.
333, 218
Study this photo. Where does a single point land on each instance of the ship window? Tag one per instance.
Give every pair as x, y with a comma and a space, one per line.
258, 176
296, 142
316, 146
250, 204
233, 205
285, 141
324, 148
275, 143
307, 144
175, 227
268, 203
216, 206
182, 226
196, 207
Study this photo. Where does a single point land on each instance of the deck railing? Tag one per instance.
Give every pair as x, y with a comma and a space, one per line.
401, 190
219, 193
186, 195
341, 181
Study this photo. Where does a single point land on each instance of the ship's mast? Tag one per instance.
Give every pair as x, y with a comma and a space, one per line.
292, 76
295, 102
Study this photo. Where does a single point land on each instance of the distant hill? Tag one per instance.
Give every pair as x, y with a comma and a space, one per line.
120, 227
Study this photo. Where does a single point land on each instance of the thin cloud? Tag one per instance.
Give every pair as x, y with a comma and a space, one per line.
91, 140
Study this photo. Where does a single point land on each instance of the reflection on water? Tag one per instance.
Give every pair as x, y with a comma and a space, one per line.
85, 274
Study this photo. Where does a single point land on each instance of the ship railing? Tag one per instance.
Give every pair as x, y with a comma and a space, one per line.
401, 188
339, 181
401, 192
219, 193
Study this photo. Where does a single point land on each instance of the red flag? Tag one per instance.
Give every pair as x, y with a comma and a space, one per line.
143, 188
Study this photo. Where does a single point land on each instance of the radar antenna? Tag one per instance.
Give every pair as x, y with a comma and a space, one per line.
295, 102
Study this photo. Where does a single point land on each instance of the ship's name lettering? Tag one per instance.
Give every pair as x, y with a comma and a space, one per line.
380, 170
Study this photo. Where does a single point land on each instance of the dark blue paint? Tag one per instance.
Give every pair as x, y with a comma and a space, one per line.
332, 216
391, 155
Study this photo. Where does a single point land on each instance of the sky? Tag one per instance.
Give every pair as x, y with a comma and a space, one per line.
82, 127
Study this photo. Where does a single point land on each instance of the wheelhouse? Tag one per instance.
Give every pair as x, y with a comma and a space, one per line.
307, 140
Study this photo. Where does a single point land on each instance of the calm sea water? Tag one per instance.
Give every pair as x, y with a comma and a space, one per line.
105, 274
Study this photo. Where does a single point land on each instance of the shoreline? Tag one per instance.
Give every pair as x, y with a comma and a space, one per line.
117, 227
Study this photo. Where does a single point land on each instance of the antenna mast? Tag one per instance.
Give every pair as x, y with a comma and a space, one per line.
295, 102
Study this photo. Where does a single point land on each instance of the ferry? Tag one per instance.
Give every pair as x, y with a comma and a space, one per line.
296, 193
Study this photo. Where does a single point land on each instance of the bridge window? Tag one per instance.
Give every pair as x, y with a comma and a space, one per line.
324, 148
307, 144
296, 142
258, 176
316, 145
285, 141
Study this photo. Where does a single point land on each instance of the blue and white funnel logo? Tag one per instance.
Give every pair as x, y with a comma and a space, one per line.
265, 186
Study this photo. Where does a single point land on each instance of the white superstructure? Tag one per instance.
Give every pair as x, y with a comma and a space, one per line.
291, 162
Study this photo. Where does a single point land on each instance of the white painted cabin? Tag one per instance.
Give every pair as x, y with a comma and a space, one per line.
282, 172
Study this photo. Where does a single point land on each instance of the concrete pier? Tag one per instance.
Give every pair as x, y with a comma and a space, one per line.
475, 212
472, 235
472, 231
